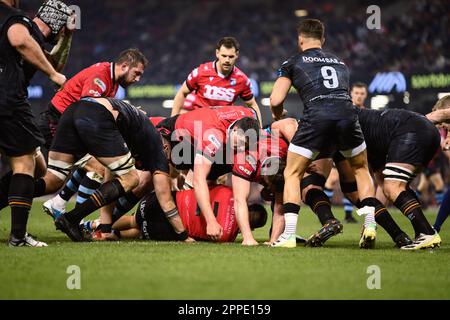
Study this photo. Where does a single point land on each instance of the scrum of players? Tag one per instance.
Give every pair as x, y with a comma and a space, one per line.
192, 175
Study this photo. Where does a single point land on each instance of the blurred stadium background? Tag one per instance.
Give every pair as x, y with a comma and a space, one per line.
406, 63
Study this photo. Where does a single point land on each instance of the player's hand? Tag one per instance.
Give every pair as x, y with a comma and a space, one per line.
58, 79
250, 242
214, 231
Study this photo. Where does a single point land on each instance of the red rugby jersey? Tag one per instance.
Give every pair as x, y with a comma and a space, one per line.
211, 88
208, 128
248, 165
223, 206
95, 81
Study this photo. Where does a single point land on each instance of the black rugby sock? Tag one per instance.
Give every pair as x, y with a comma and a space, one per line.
124, 204
4, 189
320, 204
20, 199
407, 203
86, 188
384, 219
106, 194
71, 186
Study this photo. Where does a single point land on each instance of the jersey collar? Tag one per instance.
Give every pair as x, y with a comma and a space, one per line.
113, 73
221, 74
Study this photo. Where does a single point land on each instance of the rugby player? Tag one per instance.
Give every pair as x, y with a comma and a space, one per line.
122, 139
99, 80
202, 139
321, 80
216, 83
400, 144
150, 223
21, 41
441, 116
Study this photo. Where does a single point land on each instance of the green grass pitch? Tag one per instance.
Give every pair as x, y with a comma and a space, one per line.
156, 270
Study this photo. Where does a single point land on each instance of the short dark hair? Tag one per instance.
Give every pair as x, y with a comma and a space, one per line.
228, 42
257, 215
247, 123
359, 85
133, 56
312, 28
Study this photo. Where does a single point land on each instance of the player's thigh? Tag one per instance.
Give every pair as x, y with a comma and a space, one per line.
350, 139
296, 165
312, 138
19, 134
93, 165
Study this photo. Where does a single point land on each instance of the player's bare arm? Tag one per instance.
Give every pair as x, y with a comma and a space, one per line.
20, 38
241, 191
254, 105
279, 93
163, 190
286, 128
179, 99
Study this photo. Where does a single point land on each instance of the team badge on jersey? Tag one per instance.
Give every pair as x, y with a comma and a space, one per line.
232, 82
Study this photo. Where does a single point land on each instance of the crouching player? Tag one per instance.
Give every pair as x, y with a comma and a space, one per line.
150, 222
121, 138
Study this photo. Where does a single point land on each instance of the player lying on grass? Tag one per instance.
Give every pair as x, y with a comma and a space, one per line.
150, 223
122, 139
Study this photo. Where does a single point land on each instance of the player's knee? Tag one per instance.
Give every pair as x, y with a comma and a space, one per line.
393, 188
130, 180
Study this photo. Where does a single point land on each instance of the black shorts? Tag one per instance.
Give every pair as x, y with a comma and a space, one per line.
19, 134
152, 221
88, 127
415, 143
47, 123
315, 135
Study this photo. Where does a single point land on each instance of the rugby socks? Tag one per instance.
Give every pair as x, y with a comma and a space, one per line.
106, 194
369, 218
20, 199
39, 187
4, 189
72, 184
407, 203
384, 219
124, 204
438, 196
320, 204
348, 208
444, 210
328, 192
88, 185
290, 219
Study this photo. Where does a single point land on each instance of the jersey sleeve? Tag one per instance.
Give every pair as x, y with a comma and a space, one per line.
210, 145
247, 93
244, 166
192, 79
22, 19
96, 85
286, 69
